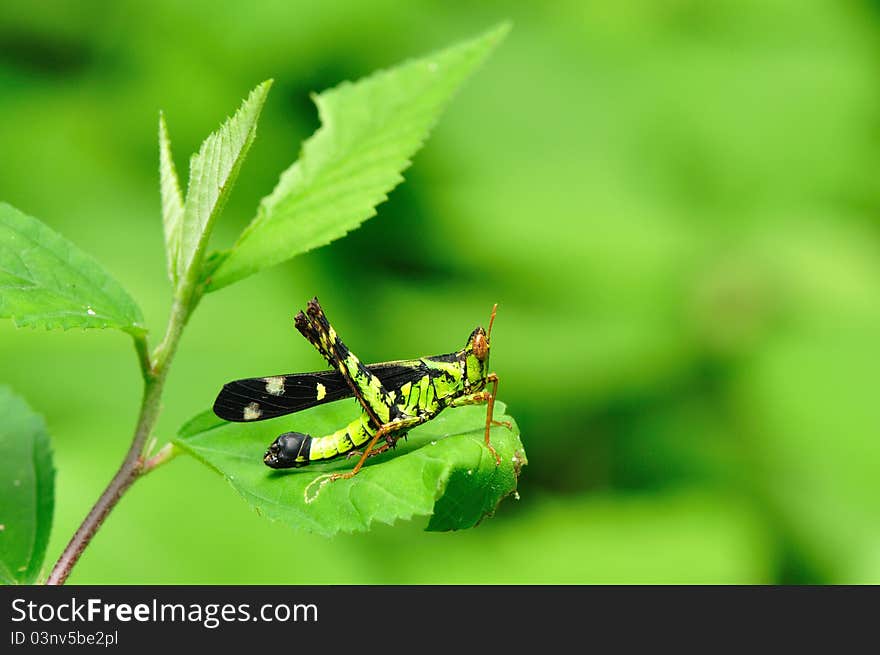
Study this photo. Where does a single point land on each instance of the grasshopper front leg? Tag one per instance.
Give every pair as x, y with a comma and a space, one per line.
485, 397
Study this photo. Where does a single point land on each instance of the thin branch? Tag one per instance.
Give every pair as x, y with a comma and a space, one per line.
154, 372
143, 354
126, 475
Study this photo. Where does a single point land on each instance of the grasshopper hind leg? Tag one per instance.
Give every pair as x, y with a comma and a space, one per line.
391, 431
366, 387
390, 442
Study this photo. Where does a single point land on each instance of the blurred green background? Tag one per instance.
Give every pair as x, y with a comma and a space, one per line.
675, 204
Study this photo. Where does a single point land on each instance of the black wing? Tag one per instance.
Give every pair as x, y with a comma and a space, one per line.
257, 399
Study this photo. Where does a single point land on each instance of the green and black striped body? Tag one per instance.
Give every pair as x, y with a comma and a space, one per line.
396, 396
438, 381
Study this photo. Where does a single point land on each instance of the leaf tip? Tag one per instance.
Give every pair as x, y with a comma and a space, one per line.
163, 128
258, 95
501, 30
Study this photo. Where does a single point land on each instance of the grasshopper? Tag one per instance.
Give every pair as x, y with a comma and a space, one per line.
394, 396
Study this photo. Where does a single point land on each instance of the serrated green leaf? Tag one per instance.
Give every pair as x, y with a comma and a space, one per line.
45, 280
443, 469
172, 201
212, 173
27, 496
369, 132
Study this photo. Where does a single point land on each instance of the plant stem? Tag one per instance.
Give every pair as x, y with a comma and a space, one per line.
154, 371
143, 354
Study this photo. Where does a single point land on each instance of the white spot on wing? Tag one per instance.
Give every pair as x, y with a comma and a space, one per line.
275, 385
252, 412
90, 311
322, 391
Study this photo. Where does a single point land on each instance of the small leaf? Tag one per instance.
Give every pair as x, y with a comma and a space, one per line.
212, 173
27, 496
172, 201
47, 281
442, 469
369, 132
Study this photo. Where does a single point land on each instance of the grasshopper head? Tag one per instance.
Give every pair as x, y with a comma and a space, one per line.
478, 352
479, 344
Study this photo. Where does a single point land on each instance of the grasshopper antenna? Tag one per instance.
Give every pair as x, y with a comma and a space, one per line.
491, 321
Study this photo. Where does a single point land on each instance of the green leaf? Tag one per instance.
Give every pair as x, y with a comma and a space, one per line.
369, 131
212, 173
172, 201
47, 281
443, 469
27, 496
